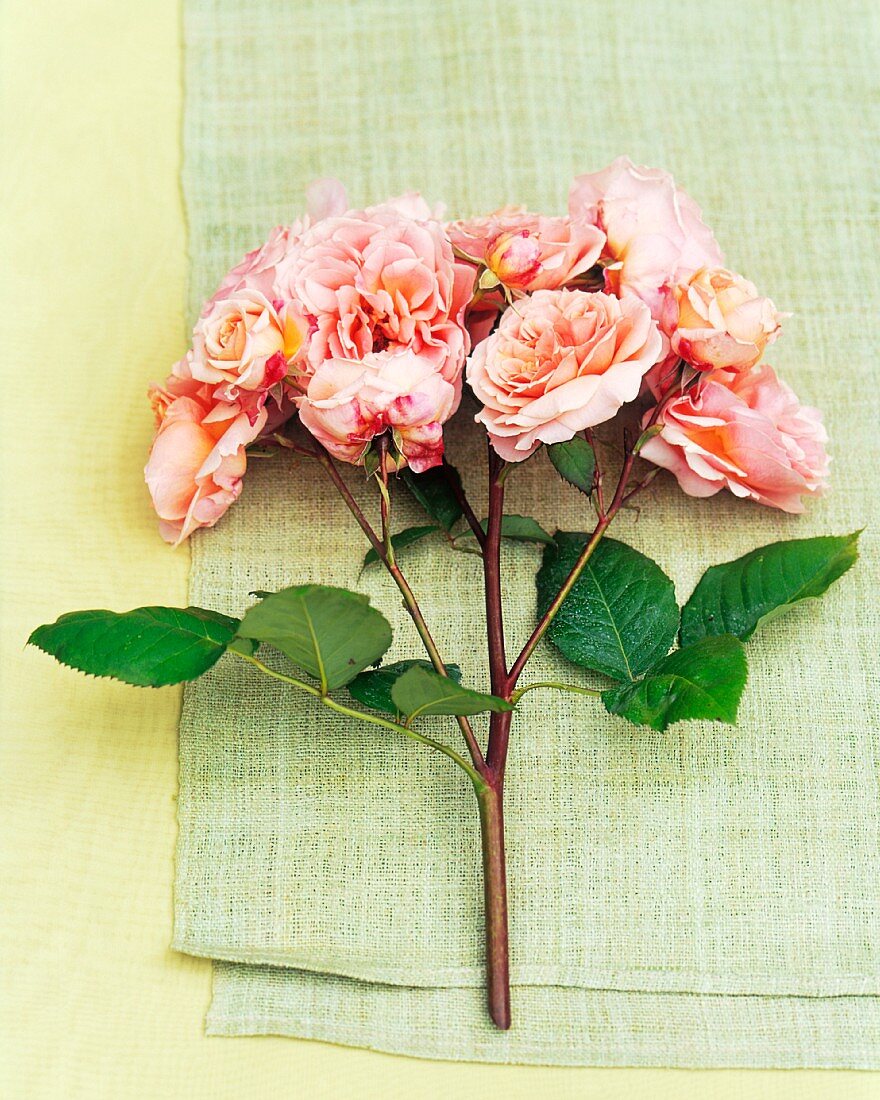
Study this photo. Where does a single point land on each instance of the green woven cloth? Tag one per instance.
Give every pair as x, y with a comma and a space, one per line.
706, 897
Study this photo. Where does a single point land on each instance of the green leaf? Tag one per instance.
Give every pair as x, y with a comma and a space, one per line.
738, 596
373, 688
575, 462
705, 680
620, 616
401, 540
330, 633
147, 647
433, 491
422, 691
521, 528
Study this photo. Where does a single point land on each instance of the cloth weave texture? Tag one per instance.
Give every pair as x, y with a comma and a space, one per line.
702, 897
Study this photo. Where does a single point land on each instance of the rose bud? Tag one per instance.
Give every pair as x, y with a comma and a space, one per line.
721, 321
514, 258
526, 251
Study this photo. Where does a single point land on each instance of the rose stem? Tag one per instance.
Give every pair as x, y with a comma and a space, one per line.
381, 546
491, 808
503, 683
490, 799
491, 768
492, 575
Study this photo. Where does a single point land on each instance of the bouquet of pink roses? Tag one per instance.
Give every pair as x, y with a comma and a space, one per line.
348, 337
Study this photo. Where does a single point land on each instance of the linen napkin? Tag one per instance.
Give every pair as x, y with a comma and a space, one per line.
703, 897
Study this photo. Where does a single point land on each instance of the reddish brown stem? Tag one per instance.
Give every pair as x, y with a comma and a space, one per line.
330, 466
400, 580
491, 797
492, 576
495, 895
544, 623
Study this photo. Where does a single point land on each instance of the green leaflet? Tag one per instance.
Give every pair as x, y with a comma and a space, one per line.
575, 462
705, 680
621, 615
422, 691
147, 647
330, 633
738, 596
401, 540
518, 528
433, 491
523, 528
373, 687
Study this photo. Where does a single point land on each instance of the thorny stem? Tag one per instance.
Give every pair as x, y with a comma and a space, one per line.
487, 774
548, 616
382, 547
490, 799
492, 575
385, 504
330, 466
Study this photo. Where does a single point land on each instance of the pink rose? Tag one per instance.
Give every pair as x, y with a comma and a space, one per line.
349, 402
246, 343
378, 281
528, 251
560, 361
719, 320
198, 457
655, 233
744, 431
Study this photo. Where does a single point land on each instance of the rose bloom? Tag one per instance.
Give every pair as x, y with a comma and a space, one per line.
198, 457
378, 281
746, 432
559, 362
246, 342
718, 320
349, 402
528, 251
655, 233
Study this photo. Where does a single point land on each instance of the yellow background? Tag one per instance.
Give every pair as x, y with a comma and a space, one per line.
93, 268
